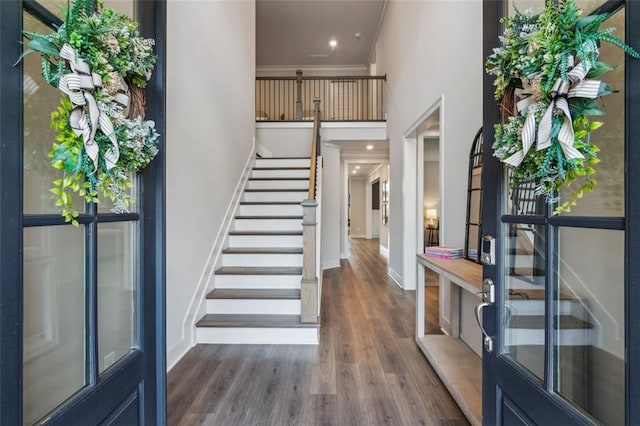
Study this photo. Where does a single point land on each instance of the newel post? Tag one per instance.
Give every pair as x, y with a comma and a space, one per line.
309, 284
299, 95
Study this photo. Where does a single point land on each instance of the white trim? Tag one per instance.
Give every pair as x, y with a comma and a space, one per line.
395, 277
353, 124
330, 264
384, 251
362, 236
307, 68
177, 351
376, 34
413, 216
284, 125
197, 303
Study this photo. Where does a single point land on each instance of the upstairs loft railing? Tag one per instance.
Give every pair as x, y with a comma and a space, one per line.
344, 98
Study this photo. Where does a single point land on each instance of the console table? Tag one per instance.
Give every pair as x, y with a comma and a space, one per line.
459, 367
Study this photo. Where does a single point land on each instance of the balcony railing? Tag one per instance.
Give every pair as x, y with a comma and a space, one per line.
344, 98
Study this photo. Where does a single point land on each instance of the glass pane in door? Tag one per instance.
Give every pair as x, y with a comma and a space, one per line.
117, 291
54, 318
40, 99
608, 197
589, 322
524, 307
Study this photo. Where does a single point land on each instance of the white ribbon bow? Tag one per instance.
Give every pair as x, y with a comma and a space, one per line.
78, 85
575, 87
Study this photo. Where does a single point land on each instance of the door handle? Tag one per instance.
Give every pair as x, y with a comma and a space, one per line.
488, 299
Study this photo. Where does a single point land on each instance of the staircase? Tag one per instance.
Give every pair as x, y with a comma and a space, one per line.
256, 299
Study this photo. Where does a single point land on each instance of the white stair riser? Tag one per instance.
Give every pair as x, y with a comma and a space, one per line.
265, 241
268, 224
233, 259
537, 307
257, 281
279, 184
270, 209
257, 336
295, 173
276, 196
254, 306
282, 162
569, 337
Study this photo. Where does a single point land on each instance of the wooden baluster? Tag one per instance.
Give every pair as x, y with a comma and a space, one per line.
299, 95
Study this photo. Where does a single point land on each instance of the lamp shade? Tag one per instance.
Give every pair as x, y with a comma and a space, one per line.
432, 214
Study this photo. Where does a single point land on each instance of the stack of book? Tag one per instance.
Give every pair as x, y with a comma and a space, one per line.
443, 252
472, 254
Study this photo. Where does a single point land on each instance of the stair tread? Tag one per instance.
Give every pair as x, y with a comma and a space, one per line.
281, 168
255, 293
276, 190
275, 233
267, 217
537, 322
277, 178
269, 203
259, 270
263, 250
283, 158
245, 320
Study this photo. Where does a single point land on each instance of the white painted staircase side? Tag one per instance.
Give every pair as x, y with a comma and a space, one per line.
256, 299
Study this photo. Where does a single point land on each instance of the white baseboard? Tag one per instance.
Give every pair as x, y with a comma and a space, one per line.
328, 264
358, 236
397, 278
197, 304
263, 151
384, 251
176, 352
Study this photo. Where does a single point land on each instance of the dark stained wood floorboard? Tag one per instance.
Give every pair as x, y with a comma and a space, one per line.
367, 369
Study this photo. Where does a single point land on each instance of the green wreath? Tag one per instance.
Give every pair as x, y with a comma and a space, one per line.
101, 65
545, 76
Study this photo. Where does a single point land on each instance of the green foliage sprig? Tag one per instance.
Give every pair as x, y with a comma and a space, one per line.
113, 48
535, 52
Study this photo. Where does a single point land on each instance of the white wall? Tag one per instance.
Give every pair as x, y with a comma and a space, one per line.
357, 209
331, 224
210, 130
430, 49
284, 139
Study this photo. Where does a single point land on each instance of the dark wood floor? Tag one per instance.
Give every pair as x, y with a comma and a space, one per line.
367, 369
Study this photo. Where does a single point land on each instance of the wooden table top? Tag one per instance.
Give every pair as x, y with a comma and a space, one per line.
463, 272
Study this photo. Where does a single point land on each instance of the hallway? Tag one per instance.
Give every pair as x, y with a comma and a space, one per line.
367, 369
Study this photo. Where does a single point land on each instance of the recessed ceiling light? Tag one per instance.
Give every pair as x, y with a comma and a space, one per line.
357, 35
369, 147
354, 172
333, 43
358, 167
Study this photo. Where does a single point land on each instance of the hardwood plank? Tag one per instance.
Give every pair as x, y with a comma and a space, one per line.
322, 411
323, 374
367, 366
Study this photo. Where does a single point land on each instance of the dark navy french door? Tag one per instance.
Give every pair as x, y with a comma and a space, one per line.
564, 324
82, 315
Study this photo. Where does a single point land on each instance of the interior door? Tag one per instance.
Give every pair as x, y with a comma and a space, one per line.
81, 308
561, 344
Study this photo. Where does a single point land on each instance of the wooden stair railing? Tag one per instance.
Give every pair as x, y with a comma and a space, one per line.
309, 294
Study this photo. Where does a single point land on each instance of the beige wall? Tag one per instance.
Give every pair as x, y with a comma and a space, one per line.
357, 209
210, 130
430, 49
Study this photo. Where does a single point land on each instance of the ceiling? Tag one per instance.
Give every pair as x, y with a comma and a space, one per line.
352, 148
297, 32
361, 169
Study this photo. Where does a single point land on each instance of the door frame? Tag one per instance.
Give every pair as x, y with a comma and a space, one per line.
493, 173
412, 195
150, 368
